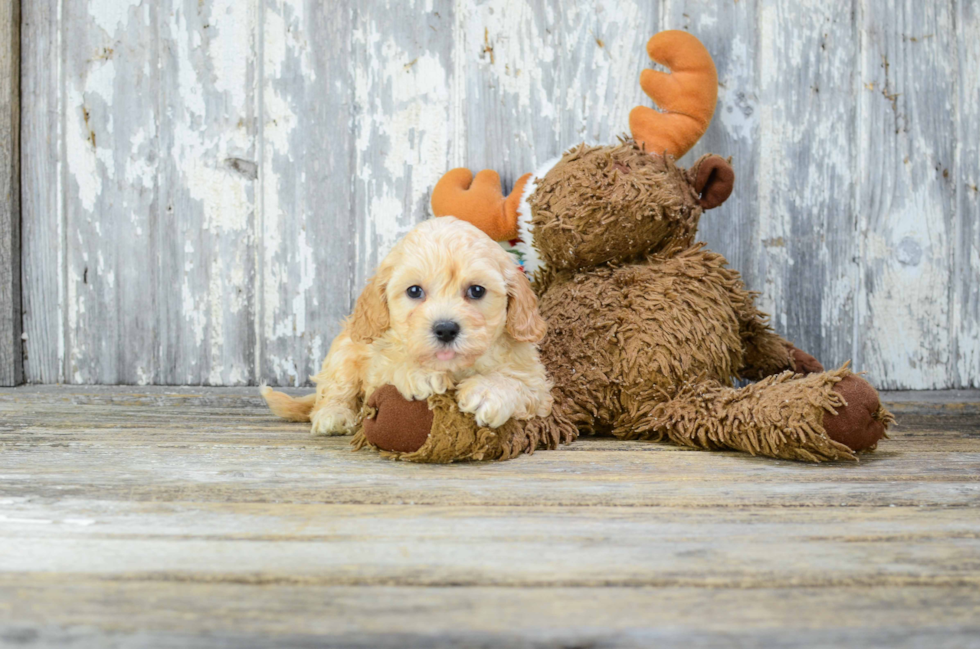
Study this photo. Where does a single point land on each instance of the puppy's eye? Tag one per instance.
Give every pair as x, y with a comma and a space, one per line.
415, 292
475, 292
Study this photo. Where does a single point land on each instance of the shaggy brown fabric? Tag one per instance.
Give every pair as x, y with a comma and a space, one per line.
619, 336
393, 423
647, 329
764, 352
766, 355
780, 416
456, 437
862, 421
610, 203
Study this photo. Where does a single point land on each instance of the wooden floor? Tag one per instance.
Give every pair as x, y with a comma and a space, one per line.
189, 517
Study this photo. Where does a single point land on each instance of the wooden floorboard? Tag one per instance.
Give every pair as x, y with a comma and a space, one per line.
189, 517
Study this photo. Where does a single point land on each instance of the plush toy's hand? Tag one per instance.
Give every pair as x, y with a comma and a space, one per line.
803, 363
479, 201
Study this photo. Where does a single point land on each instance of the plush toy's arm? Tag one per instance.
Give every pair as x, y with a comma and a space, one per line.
764, 352
479, 201
767, 353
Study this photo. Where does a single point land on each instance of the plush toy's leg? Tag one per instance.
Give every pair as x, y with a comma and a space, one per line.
822, 416
435, 431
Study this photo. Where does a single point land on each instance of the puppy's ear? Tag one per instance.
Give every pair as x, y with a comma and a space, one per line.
370, 317
524, 323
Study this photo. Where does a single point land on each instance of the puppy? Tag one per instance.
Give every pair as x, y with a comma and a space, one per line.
447, 308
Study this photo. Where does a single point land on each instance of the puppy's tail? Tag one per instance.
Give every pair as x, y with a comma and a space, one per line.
286, 406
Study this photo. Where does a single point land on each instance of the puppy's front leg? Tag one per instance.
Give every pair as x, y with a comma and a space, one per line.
494, 398
331, 416
338, 388
419, 384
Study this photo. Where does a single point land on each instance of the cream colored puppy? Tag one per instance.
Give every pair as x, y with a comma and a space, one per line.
447, 308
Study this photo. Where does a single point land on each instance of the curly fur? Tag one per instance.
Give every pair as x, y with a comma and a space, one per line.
648, 329
493, 364
609, 204
456, 436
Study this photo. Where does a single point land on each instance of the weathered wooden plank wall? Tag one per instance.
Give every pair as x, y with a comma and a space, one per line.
208, 183
11, 354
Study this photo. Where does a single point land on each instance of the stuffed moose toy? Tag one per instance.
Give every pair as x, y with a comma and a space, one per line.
647, 329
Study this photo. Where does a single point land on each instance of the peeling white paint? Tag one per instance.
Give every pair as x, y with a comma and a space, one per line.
209, 128
139, 169
195, 317
225, 49
511, 82
83, 152
109, 15
737, 106
81, 156
189, 87
402, 135
222, 194
509, 29
604, 52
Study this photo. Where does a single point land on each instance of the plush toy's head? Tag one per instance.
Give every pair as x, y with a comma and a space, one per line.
613, 203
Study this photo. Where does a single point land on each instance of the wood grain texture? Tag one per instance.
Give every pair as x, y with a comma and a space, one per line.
11, 354
804, 248
195, 614
305, 226
109, 101
510, 92
208, 185
965, 297
204, 225
732, 30
602, 52
42, 173
907, 215
190, 517
403, 121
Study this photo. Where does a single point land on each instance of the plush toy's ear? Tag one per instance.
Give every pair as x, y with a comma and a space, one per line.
713, 179
370, 317
524, 322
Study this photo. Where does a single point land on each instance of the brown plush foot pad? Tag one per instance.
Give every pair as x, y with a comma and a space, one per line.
395, 423
861, 423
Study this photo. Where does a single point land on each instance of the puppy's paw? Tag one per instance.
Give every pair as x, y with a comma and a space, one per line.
332, 420
419, 386
491, 405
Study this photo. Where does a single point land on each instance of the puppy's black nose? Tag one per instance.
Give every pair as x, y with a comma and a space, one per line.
445, 330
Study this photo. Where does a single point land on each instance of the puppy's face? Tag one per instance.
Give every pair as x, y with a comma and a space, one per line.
447, 296
447, 292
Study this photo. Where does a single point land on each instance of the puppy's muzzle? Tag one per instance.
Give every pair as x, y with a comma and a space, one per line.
445, 331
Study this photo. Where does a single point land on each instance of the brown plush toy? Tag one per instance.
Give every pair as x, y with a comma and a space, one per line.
436, 431
647, 328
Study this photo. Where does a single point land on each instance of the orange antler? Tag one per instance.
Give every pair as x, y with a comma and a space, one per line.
687, 95
479, 201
